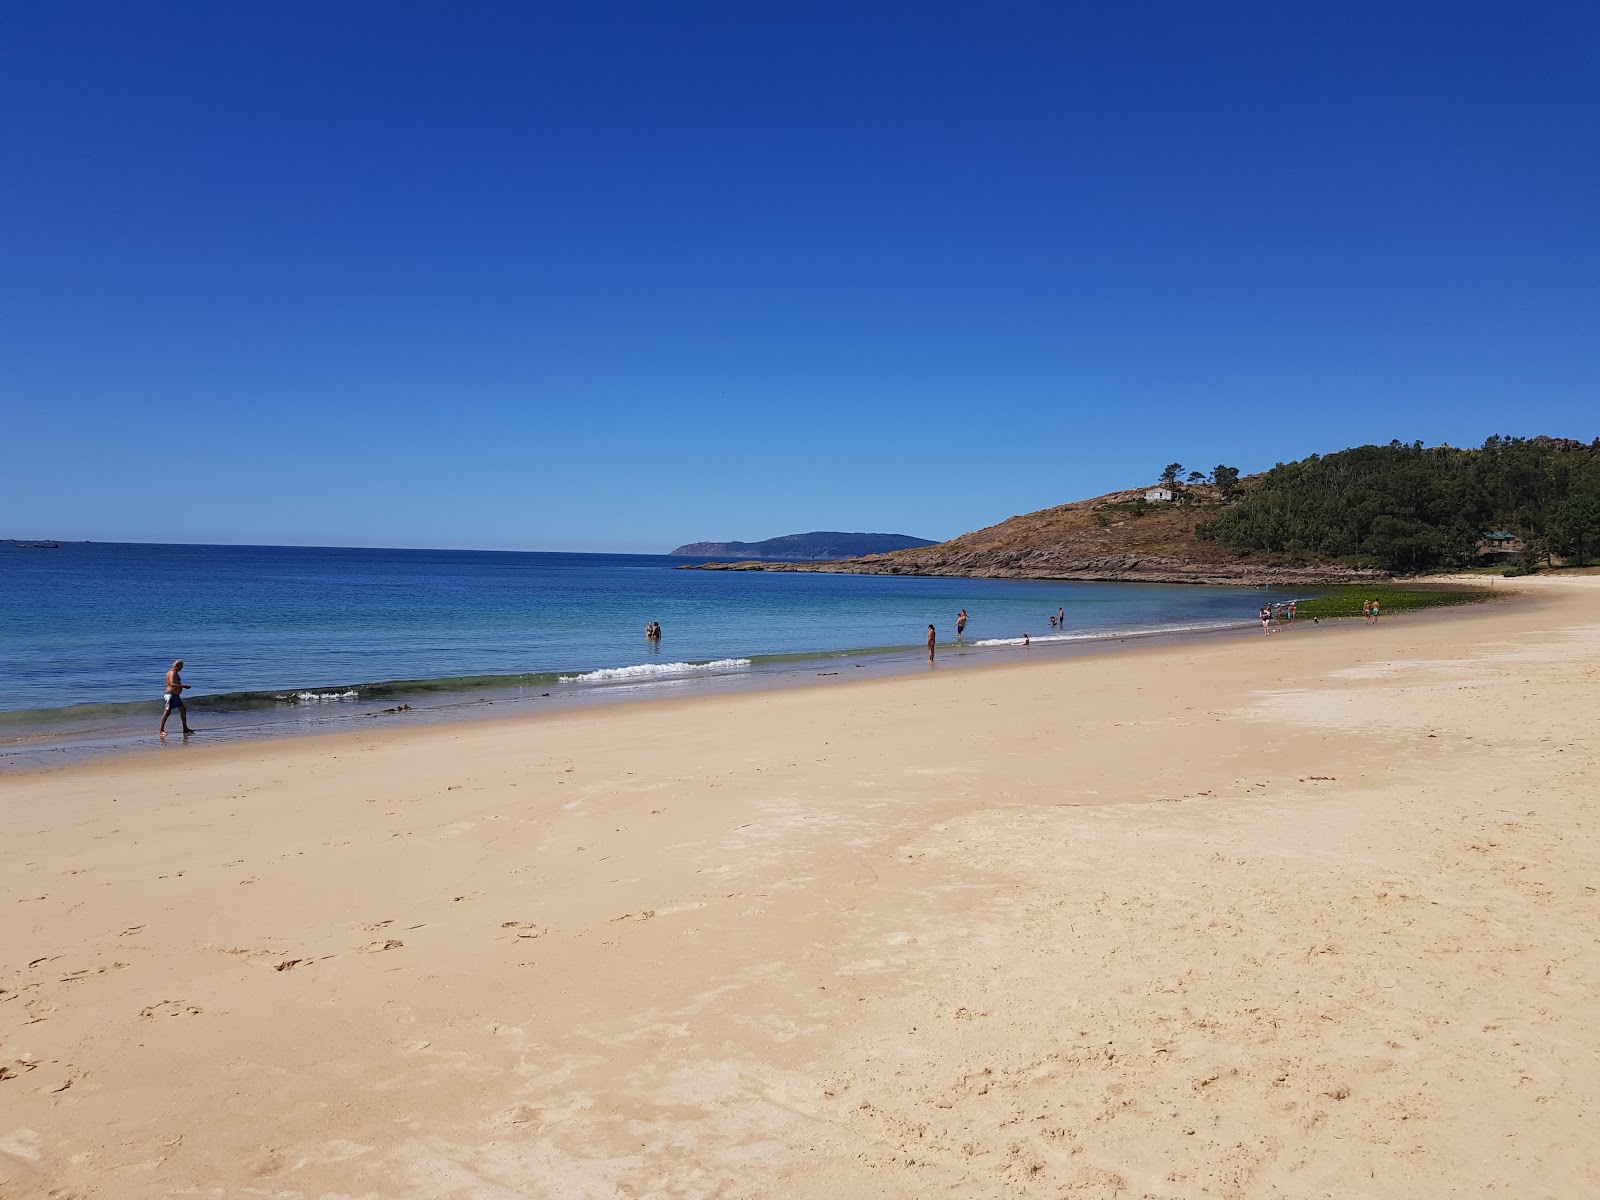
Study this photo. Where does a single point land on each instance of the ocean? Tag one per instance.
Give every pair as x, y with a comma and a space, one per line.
295, 639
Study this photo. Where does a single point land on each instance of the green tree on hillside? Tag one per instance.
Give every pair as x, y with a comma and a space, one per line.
1409, 507
1170, 473
1226, 479
1573, 528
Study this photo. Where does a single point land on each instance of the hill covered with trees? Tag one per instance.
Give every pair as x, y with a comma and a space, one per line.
1359, 514
1409, 508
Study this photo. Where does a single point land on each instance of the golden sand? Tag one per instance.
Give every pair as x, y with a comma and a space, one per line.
1307, 915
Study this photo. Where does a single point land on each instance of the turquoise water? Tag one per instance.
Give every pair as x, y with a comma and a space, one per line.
276, 634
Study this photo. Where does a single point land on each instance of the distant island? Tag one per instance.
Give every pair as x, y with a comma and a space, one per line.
808, 547
1368, 513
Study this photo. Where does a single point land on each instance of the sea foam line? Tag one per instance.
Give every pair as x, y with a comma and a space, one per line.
1105, 635
323, 697
655, 670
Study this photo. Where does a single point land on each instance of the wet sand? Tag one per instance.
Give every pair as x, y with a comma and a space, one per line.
1304, 915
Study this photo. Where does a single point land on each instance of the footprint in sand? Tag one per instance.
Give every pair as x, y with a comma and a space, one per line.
523, 929
265, 1166
170, 1008
380, 947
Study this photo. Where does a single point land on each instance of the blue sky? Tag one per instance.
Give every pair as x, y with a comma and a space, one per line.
612, 277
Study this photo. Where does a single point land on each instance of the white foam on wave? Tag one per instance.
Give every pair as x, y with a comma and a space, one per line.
1044, 637
655, 670
325, 697
1107, 634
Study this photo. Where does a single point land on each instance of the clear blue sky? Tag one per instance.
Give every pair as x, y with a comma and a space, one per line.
592, 276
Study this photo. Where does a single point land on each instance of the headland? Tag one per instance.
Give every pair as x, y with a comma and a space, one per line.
1118, 537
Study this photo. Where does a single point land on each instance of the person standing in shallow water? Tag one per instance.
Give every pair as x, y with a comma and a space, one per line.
932, 638
176, 687
961, 623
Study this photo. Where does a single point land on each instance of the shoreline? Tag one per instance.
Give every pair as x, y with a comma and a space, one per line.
508, 714
50, 750
1104, 569
1250, 916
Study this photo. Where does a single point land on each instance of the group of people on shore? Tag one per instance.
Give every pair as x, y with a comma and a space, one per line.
1272, 614
1284, 614
1058, 620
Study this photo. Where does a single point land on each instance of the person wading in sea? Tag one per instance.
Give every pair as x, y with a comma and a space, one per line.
961, 623
932, 637
176, 687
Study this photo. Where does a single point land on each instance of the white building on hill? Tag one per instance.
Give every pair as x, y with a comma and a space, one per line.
1159, 495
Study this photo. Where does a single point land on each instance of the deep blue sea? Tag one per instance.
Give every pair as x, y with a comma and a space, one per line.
279, 637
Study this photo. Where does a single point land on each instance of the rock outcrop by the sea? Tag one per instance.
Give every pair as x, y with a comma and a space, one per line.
1046, 564
1117, 537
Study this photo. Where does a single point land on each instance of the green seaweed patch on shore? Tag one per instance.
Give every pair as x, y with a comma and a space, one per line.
1347, 602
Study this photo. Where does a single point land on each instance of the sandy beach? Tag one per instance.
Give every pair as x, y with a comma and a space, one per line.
1305, 915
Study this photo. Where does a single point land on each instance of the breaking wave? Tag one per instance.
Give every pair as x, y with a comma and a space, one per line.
655, 670
1110, 635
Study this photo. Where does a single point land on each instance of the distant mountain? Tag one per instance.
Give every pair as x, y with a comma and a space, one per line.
808, 547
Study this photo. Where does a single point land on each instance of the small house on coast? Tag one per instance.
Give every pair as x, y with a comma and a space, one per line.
1159, 495
1499, 546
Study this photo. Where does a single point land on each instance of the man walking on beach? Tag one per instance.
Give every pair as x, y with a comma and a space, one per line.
932, 637
176, 687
